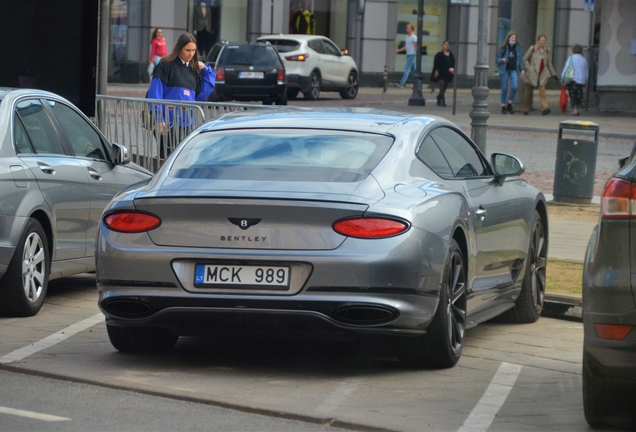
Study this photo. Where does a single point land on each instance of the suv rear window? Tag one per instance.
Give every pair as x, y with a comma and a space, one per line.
255, 55
284, 45
281, 155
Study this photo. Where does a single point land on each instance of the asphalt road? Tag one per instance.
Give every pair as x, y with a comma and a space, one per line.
510, 377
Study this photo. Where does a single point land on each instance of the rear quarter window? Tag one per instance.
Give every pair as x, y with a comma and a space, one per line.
281, 155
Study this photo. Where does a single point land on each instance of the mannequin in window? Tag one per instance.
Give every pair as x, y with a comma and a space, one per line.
203, 27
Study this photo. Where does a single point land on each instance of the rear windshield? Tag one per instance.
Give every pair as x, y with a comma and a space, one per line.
281, 155
285, 45
254, 55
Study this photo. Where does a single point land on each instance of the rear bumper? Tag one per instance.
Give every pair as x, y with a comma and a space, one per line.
248, 93
189, 315
298, 82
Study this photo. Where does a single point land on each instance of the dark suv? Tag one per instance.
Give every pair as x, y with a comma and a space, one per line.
247, 72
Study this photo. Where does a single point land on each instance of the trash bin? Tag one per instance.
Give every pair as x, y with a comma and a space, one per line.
575, 167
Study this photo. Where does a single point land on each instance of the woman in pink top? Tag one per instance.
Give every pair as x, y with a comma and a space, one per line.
158, 47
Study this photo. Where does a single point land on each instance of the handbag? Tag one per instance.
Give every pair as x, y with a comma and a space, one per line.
568, 75
563, 101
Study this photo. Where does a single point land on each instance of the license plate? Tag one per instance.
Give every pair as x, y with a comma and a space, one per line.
241, 276
250, 74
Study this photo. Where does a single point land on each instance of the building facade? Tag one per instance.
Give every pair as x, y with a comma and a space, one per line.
372, 30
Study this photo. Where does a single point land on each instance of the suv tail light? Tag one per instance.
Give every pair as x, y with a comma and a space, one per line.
220, 74
131, 221
281, 77
618, 200
297, 57
370, 227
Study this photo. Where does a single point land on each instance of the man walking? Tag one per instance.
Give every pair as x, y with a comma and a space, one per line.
409, 47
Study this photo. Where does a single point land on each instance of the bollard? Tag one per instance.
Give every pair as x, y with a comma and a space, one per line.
385, 79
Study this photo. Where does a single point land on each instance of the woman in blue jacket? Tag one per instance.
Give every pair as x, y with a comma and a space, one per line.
510, 61
179, 76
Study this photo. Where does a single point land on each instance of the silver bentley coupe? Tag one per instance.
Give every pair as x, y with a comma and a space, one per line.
336, 221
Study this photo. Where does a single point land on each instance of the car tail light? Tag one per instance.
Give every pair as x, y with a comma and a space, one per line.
297, 57
370, 227
220, 73
618, 200
280, 78
615, 332
131, 221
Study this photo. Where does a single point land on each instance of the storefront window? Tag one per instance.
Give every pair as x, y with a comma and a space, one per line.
321, 17
503, 21
118, 34
433, 31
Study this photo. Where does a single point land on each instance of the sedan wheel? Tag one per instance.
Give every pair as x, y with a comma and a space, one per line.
25, 283
141, 339
529, 304
442, 346
351, 90
314, 87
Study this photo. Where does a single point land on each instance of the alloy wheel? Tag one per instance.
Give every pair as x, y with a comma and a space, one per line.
33, 267
538, 265
456, 302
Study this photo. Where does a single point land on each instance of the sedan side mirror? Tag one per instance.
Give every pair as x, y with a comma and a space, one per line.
120, 154
505, 165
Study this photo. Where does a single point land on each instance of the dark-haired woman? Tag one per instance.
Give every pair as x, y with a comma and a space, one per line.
179, 76
443, 71
510, 61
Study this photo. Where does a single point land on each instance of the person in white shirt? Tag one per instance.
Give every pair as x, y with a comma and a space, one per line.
579, 80
409, 47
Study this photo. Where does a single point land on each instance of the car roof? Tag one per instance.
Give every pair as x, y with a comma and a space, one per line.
356, 119
292, 36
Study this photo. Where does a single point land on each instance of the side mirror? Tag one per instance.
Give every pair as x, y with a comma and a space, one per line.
505, 165
121, 156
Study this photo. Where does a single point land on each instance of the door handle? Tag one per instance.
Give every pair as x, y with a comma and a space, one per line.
481, 213
46, 169
94, 174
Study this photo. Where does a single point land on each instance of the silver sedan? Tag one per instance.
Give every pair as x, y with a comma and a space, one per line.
338, 221
57, 173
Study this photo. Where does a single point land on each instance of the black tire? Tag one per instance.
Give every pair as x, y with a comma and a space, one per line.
23, 287
351, 90
529, 304
442, 346
292, 94
314, 87
282, 99
141, 339
268, 101
594, 397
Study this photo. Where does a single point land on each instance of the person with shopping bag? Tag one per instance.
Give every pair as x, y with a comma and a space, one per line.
574, 78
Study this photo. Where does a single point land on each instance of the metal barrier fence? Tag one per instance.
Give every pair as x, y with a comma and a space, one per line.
152, 128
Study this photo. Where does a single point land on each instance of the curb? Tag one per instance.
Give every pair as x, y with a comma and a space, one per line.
563, 307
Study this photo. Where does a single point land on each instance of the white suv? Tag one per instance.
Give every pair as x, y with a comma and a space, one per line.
315, 64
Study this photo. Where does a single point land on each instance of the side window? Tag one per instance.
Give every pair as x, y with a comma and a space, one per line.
316, 45
460, 154
39, 127
84, 140
431, 155
20, 137
331, 49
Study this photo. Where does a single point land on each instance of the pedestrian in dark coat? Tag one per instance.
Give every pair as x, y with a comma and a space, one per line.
443, 71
